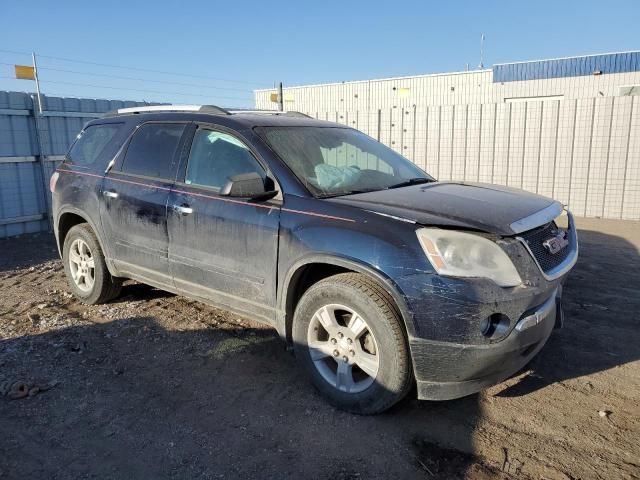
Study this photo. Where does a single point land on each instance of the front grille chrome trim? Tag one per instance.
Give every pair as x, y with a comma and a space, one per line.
568, 263
539, 218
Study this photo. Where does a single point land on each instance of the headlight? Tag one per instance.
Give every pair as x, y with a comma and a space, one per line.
459, 254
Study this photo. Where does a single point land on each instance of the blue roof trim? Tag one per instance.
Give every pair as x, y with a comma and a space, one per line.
567, 67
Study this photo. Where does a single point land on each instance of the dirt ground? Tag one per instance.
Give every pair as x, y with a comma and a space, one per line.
157, 386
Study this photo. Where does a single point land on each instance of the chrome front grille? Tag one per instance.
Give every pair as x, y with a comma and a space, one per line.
535, 240
551, 264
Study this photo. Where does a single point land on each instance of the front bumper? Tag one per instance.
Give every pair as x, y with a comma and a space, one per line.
447, 370
453, 352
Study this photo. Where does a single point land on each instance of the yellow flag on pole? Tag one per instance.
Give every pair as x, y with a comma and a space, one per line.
25, 72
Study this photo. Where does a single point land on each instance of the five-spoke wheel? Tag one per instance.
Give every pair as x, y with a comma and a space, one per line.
348, 334
82, 265
343, 348
86, 268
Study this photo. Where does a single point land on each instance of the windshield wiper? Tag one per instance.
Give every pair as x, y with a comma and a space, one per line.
349, 192
406, 183
411, 181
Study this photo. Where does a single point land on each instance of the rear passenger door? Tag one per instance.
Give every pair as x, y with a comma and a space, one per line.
134, 201
83, 168
223, 249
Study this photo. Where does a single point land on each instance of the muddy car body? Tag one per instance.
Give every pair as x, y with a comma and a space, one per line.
376, 273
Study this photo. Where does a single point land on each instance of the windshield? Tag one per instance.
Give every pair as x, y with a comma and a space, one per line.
339, 161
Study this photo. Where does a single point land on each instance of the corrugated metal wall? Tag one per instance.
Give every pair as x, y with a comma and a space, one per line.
543, 126
458, 88
583, 152
24, 168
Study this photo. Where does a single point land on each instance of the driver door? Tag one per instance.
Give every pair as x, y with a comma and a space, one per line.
222, 249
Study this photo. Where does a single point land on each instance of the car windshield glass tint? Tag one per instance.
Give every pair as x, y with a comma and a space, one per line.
340, 161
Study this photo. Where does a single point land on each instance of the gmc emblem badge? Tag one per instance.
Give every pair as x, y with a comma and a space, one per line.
557, 243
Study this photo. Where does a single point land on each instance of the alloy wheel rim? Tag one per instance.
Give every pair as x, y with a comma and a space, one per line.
343, 348
82, 265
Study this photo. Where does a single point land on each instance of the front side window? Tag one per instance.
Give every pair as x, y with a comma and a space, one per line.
217, 156
340, 161
152, 150
92, 142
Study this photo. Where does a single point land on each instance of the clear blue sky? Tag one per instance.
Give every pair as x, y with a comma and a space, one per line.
297, 42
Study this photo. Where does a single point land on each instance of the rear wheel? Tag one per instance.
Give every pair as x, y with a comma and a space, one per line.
84, 264
350, 339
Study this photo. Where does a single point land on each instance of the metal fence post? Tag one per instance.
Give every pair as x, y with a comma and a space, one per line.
280, 98
40, 158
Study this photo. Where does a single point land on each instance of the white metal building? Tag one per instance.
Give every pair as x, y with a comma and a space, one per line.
606, 75
567, 128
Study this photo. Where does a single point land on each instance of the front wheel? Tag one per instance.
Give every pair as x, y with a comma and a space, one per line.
349, 337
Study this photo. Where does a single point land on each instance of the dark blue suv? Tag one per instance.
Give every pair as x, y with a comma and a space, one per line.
378, 275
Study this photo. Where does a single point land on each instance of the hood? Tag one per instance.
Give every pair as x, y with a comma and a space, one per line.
485, 207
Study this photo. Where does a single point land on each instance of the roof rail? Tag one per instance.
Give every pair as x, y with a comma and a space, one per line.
211, 109
289, 113
254, 111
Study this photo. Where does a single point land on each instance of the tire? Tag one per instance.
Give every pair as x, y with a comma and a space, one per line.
348, 298
96, 285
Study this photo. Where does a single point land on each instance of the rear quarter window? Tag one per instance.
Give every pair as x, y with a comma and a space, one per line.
94, 146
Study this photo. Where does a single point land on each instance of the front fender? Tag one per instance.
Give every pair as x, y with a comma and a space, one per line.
313, 231
351, 264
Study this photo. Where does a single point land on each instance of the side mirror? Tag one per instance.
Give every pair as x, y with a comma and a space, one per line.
247, 185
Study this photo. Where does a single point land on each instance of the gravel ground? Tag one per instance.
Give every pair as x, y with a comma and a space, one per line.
153, 385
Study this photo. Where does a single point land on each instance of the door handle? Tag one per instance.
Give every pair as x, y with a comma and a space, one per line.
183, 209
110, 193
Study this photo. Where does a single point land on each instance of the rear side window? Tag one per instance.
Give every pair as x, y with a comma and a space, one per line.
93, 142
152, 150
